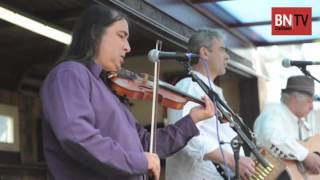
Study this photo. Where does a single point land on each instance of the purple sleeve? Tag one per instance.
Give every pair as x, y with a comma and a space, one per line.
171, 138
67, 108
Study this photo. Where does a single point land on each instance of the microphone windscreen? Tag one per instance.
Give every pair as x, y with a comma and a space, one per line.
153, 55
286, 62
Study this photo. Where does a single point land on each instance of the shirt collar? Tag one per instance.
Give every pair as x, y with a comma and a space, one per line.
293, 116
204, 79
306, 123
95, 69
296, 119
201, 76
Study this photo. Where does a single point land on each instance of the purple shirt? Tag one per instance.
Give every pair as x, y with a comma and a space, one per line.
90, 134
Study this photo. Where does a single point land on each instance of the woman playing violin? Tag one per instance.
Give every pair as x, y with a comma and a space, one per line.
89, 133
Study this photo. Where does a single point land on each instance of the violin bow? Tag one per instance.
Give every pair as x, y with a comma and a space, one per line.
154, 113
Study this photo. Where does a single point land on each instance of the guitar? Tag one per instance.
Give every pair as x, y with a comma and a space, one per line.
313, 145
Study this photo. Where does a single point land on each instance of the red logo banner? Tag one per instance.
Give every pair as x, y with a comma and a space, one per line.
291, 21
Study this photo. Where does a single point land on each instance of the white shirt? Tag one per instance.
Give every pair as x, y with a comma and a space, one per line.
313, 119
188, 163
277, 129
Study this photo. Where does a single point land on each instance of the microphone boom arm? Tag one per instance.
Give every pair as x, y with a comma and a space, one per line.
307, 73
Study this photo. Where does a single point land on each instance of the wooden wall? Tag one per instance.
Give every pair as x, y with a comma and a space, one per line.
28, 163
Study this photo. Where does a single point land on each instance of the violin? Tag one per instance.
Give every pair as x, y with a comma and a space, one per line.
134, 86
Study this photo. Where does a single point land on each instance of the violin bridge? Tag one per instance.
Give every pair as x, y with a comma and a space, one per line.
145, 78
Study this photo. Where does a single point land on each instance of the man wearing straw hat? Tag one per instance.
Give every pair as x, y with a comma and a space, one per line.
280, 127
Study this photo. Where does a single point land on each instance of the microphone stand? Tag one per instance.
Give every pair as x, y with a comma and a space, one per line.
235, 126
307, 73
236, 144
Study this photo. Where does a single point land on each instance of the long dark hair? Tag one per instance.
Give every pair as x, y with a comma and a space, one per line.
88, 32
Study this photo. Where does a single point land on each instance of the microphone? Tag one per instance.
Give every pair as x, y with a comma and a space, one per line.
156, 55
287, 63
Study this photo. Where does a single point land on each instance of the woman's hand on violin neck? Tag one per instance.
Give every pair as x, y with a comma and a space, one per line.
200, 113
153, 165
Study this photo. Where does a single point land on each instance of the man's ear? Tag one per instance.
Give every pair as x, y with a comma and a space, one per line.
204, 53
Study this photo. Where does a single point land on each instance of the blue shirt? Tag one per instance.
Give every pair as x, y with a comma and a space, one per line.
90, 134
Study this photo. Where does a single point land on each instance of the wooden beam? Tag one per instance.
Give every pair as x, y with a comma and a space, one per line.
205, 1
153, 20
24, 171
259, 43
220, 23
239, 25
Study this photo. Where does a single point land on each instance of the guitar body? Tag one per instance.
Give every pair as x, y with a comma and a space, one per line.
313, 145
